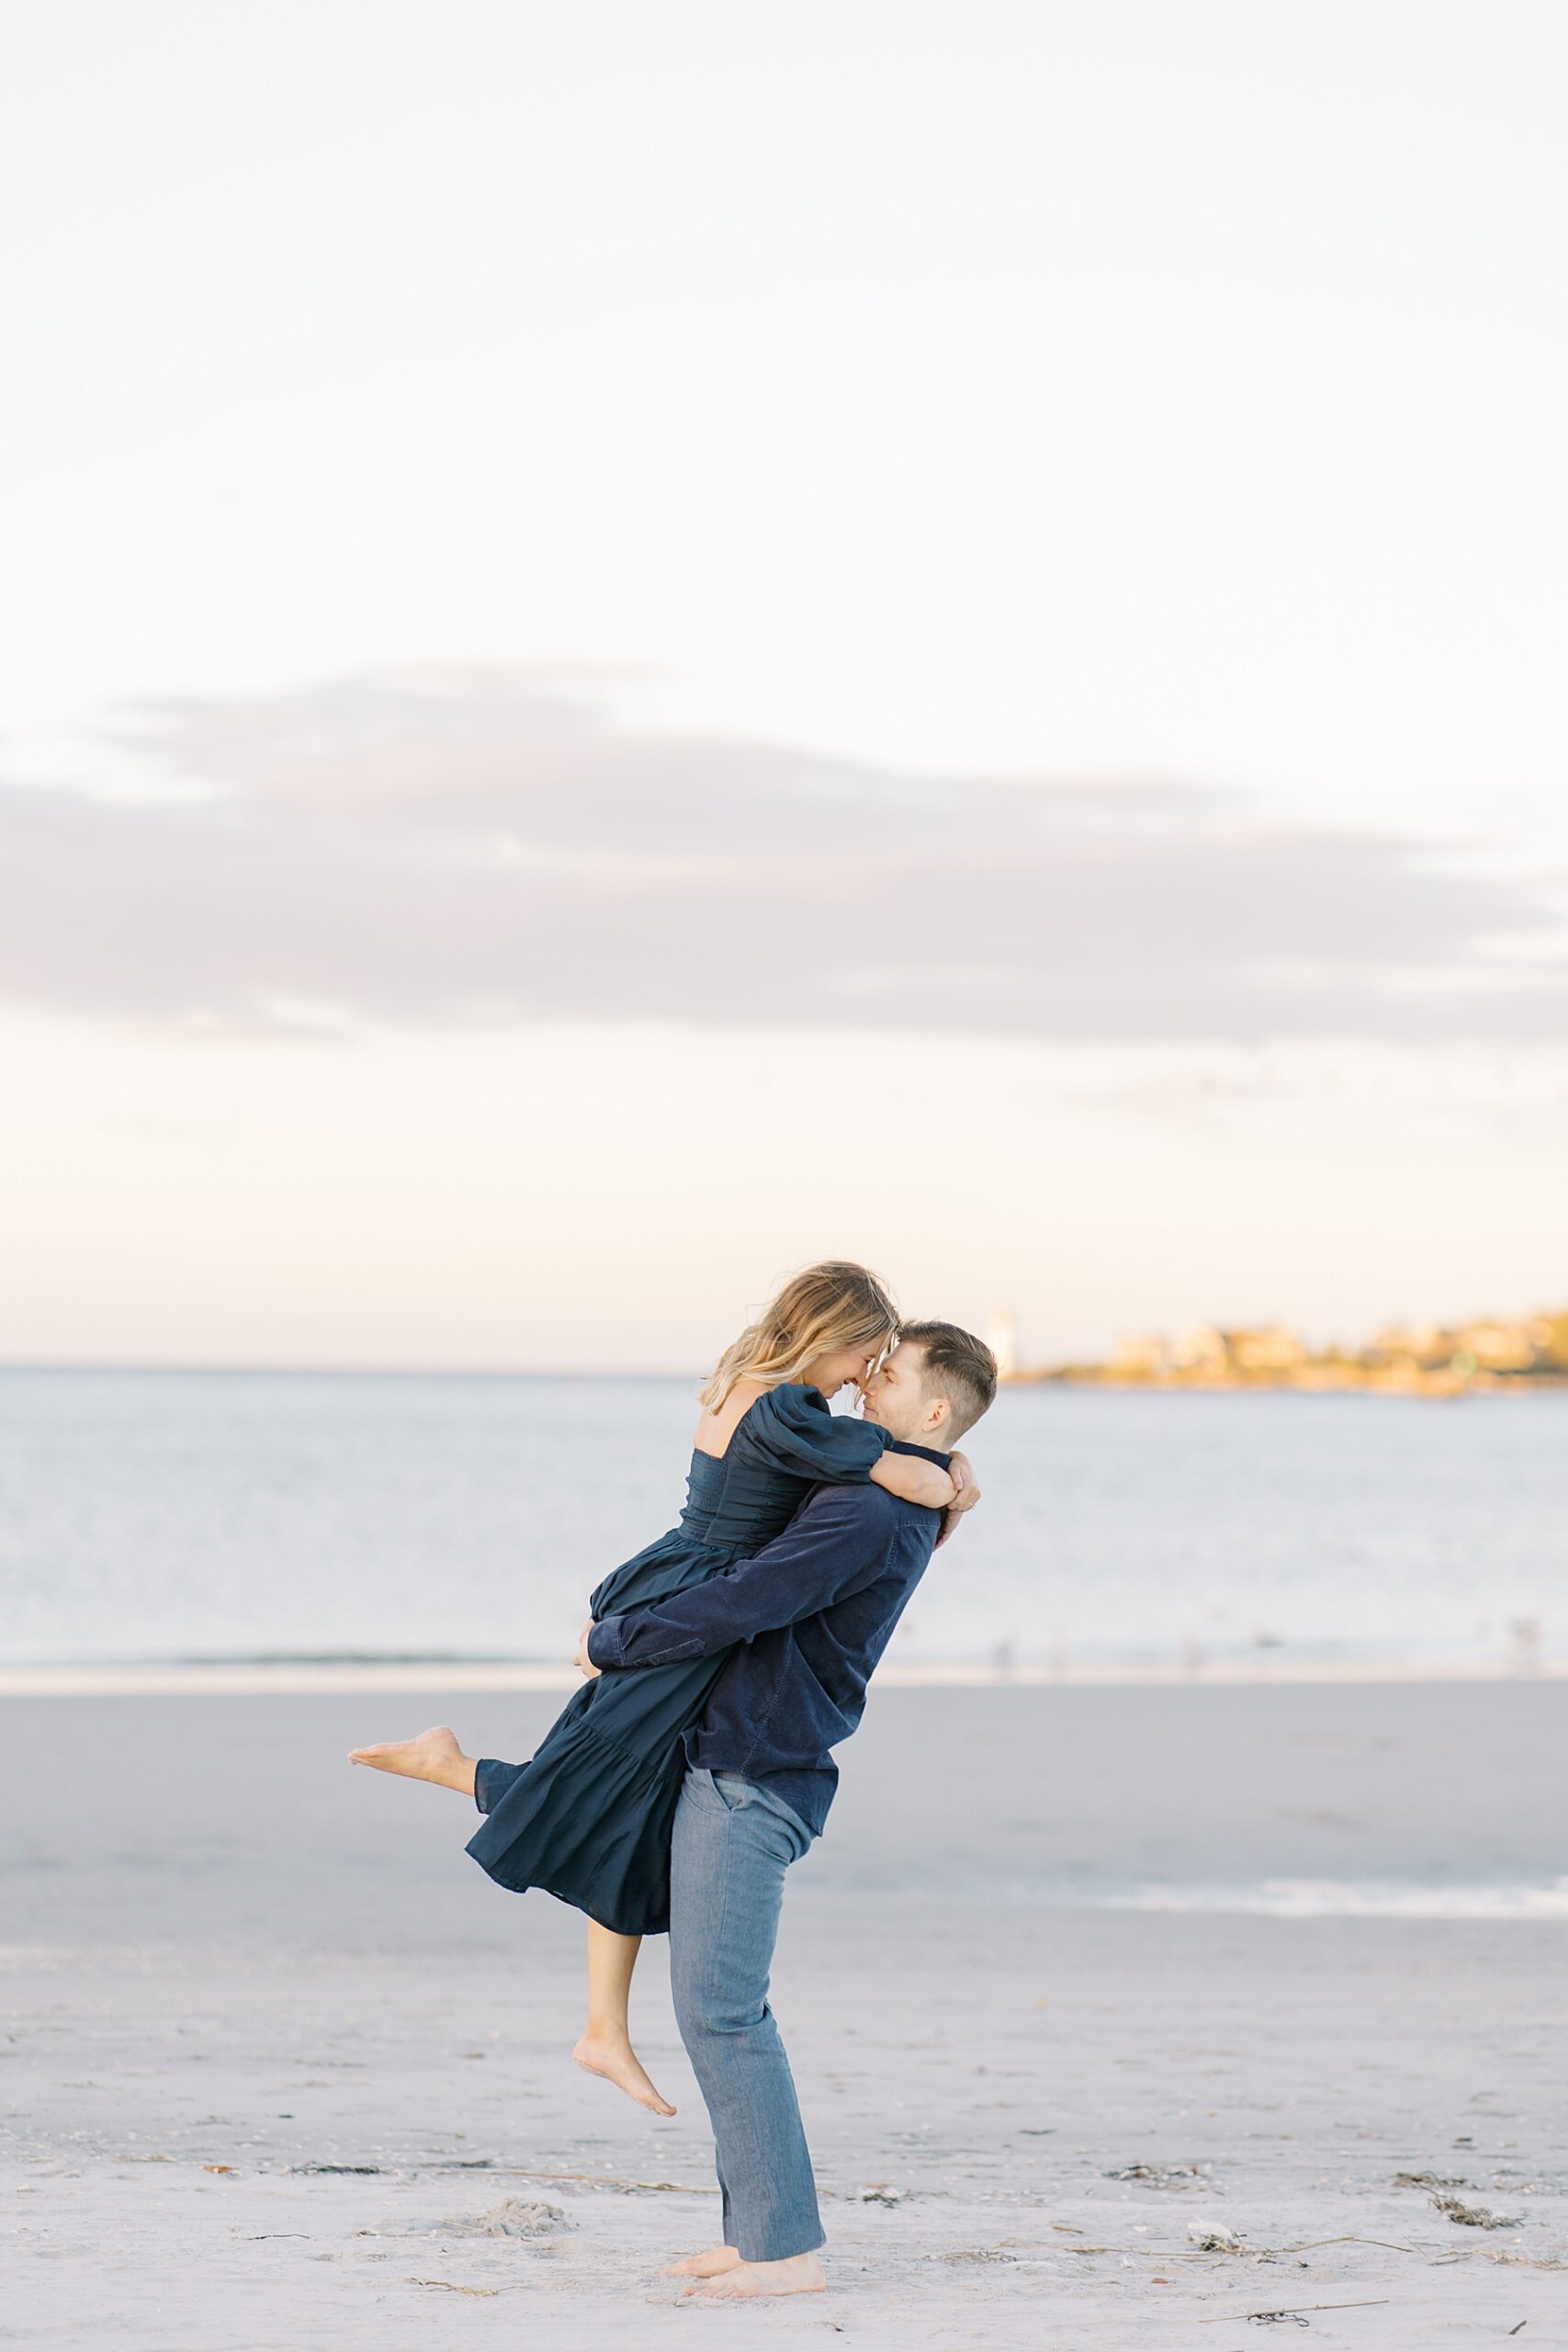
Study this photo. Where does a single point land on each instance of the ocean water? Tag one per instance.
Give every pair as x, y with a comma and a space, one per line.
167, 1516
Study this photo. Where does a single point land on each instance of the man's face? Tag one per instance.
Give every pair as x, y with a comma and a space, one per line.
896, 1397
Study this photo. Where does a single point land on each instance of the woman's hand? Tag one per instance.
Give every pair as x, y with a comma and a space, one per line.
581, 1659
961, 1471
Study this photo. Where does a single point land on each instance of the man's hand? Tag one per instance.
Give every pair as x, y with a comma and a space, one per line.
960, 1470
581, 1659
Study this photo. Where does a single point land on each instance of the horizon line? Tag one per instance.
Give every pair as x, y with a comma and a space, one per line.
301, 1678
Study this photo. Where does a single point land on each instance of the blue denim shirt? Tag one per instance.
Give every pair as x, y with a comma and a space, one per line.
808, 1620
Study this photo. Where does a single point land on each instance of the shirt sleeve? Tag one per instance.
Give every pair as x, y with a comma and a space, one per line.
790, 1427
837, 1543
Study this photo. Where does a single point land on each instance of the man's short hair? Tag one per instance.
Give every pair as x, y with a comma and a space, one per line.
958, 1366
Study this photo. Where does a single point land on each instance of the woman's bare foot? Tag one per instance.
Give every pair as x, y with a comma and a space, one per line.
618, 2063
799, 2274
433, 1756
704, 2265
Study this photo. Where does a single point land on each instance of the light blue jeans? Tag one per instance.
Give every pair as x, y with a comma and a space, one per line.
731, 1845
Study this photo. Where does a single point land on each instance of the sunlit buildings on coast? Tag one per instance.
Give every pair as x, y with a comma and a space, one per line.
1204, 1350
1428, 1359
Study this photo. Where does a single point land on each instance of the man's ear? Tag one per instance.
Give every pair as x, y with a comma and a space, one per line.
940, 1412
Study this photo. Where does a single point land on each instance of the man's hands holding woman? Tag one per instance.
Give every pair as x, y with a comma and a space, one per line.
581, 1658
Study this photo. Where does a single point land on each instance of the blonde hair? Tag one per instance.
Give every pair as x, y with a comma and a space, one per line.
820, 1311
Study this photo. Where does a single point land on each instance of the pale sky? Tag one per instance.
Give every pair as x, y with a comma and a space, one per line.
644, 643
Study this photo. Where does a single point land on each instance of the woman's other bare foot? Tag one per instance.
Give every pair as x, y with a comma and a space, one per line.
799, 2274
614, 2057
704, 2265
433, 1756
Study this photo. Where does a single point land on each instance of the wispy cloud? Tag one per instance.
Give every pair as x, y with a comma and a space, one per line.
453, 845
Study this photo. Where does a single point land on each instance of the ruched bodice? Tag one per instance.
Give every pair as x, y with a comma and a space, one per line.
741, 1499
730, 1502
588, 1817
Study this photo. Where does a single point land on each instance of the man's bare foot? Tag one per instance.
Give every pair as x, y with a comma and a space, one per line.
433, 1756
799, 2274
704, 2265
619, 2064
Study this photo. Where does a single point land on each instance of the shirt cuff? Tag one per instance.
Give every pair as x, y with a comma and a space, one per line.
605, 1642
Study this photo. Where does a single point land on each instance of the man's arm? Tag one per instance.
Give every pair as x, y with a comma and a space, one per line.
838, 1540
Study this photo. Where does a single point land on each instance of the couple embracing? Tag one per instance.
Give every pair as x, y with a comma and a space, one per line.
721, 1666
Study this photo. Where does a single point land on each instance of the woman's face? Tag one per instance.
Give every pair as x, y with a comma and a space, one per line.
832, 1373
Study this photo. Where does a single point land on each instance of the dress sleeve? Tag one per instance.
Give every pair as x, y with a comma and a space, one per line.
790, 1427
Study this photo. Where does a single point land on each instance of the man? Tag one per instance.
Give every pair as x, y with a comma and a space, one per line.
808, 1620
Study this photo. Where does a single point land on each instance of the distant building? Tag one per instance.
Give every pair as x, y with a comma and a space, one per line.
1273, 1349
1411, 1344
1497, 1347
1202, 1349
1002, 1341
1145, 1357
1550, 1334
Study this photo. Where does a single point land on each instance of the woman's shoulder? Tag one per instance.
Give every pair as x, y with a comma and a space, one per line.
718, 1426
788, 1400
794, 1428
791, 1401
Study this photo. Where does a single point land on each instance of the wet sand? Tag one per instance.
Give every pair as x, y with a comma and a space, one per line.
225, 1948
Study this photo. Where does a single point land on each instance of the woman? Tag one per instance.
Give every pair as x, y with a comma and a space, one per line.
589, 1816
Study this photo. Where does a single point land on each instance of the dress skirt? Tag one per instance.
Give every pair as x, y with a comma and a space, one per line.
588, 1817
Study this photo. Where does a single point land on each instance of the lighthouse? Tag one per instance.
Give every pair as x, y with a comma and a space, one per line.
1002, 1342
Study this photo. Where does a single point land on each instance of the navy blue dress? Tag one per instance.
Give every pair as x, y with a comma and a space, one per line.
588, 1817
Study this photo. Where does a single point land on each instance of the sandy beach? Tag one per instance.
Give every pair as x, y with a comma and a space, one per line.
1076, 1978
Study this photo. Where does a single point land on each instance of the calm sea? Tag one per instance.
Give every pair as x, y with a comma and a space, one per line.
252, 1516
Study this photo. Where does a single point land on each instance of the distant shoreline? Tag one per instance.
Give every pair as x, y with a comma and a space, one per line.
285, 1679
1348, 1383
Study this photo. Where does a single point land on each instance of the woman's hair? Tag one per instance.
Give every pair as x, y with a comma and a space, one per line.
820, 1311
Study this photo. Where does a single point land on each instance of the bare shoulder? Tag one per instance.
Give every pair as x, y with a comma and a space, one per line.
714, 1430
